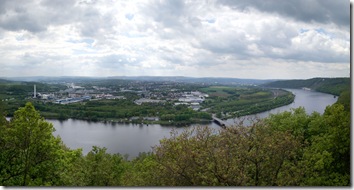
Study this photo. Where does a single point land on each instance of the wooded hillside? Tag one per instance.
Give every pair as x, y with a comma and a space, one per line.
333, 86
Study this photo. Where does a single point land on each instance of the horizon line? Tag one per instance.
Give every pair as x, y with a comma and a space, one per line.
171, 76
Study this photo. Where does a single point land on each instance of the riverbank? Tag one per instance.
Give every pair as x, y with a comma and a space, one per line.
225, 102
187, 118
129, 138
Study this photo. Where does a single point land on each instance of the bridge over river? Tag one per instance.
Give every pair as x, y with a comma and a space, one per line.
220, 122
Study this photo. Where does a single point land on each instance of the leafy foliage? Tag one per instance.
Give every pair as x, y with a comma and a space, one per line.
344, 99
103, 169
327, 159
30, 154
237, 156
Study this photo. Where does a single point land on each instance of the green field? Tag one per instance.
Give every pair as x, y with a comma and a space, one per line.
229, 102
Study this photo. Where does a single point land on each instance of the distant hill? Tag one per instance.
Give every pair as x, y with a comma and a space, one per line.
5, 81
51, 79
327, 85
207, 80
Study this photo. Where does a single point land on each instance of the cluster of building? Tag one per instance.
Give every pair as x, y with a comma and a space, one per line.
107, 96
50, 96
148, 92
72, 100
192, 99
147, 100
74, 94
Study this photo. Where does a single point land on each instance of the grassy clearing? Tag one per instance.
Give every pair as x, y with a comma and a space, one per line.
220, 91
257, 95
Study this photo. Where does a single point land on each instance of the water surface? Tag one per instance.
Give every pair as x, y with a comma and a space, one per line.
131, 138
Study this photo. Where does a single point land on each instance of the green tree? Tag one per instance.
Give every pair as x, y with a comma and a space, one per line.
237, 156
344, 99
327, 158
30, 154
103, 169
3, 120
271, 156
142, 171
73, 168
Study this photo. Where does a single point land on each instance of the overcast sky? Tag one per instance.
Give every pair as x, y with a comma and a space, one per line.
261, 39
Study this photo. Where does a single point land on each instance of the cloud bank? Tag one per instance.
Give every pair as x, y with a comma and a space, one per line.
217, 38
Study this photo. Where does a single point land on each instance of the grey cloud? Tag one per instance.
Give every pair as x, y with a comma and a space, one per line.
313, 55
62, 11
4, 4
223, 41
166, 12
20, 15
276, 35
37, 16
317, 55
232, 46
35, 59
173, 59
118, 60
321, 11
91, 23
25, 15
31, 59
22, 22
173, 14
58, 4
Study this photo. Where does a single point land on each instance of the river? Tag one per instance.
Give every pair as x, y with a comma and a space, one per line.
131, 138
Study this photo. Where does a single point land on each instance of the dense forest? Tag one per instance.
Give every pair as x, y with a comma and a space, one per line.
333, 86
286, 149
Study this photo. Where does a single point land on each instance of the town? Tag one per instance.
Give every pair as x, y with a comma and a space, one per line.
166, 102
149, 93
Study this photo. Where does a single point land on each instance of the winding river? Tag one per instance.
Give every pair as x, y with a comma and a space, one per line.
131, 139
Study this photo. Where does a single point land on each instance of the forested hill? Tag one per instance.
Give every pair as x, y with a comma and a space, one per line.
333, 86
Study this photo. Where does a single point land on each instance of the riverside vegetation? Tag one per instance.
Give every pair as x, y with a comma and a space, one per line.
286, 149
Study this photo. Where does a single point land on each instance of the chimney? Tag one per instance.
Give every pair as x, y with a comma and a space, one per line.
34, 93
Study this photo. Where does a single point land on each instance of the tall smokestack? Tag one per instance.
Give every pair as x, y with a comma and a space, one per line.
34, 93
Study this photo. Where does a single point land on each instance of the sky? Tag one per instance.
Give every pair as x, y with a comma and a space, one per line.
259, 39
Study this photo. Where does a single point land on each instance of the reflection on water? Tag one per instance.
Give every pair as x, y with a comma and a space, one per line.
132, 139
